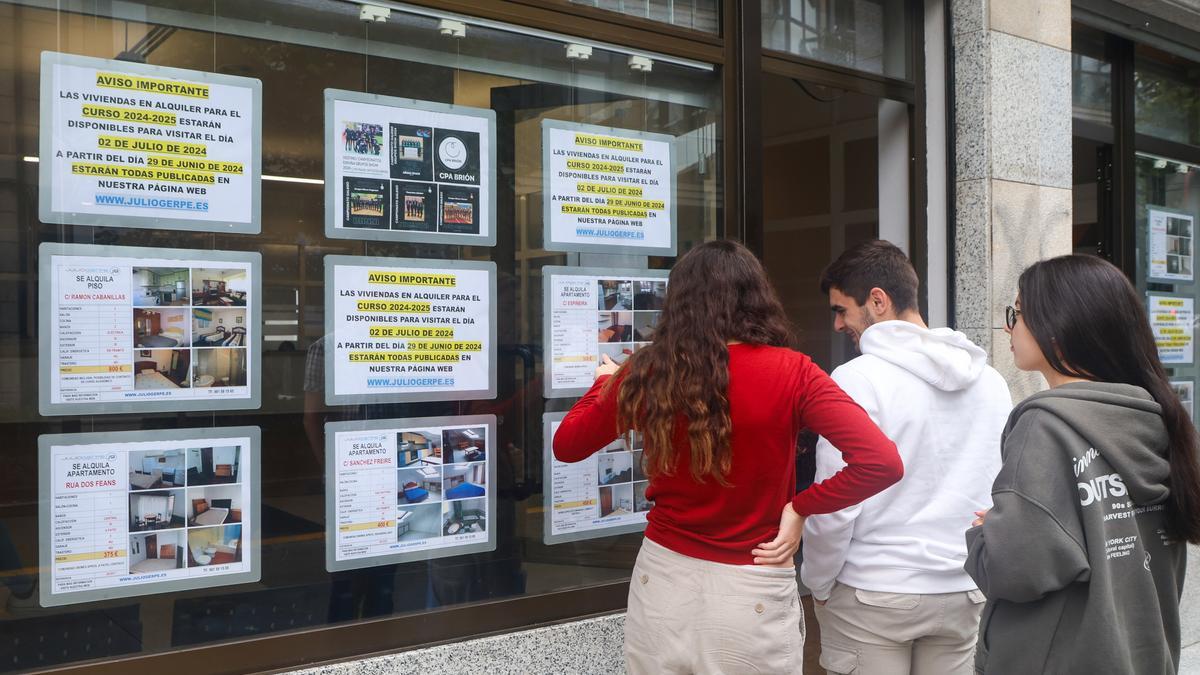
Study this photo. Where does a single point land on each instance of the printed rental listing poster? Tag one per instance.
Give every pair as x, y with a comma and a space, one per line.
1172, 321
409, 489
133, 145
603, 495
590, 312
129, 329
608, 190
407, 329
1172, 248
405, 170
141, 512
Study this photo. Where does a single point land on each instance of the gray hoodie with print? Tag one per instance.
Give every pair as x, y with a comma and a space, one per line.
1079, 574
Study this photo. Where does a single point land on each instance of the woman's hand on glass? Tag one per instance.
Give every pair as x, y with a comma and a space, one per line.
607, 366
780, 551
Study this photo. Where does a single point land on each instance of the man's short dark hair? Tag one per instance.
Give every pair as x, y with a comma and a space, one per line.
874, 264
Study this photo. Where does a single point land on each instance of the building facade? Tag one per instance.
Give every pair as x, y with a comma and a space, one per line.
295, 291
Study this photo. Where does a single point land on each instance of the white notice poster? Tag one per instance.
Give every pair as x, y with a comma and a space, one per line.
134, 513
402, 329
603, 495
589, 312
127, 329
1171, 318
409, 489
131, 145
407, 170
1172, 251
608, 190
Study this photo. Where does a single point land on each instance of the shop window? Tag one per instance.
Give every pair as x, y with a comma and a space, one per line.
701, 15
465, 110
867, 35
1165, 101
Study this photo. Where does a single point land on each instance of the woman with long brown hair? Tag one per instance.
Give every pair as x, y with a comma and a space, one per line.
1083, 554
719, 399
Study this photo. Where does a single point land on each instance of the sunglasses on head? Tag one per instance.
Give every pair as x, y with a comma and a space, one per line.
1010, 316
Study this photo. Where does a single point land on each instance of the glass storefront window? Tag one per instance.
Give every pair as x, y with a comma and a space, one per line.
1166, 104
701, 15
1091, 76
866, 35
1168, 208
298, 51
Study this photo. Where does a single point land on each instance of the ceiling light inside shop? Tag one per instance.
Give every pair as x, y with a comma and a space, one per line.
641, 64
452, 29
1160, 163
374, 14
578, 52
1182, 168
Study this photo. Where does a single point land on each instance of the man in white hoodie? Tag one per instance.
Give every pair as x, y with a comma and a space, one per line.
887, 575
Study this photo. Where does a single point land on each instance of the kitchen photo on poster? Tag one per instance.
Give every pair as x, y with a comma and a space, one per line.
366, 203
414, 206
410, 158
400, 169
457, 156
459, 210
1171, 246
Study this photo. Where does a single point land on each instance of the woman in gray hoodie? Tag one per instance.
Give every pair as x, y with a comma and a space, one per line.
1082, 555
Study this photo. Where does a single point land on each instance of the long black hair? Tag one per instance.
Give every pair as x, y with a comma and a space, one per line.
1090, 323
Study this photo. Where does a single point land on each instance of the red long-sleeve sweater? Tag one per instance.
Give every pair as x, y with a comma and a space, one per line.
773, 394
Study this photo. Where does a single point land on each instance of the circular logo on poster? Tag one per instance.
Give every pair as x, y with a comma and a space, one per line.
452, 152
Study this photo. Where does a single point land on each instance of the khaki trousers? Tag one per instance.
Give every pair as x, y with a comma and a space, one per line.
693, 616
898, 634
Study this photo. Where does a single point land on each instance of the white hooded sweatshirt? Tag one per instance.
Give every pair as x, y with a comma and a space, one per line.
932, 392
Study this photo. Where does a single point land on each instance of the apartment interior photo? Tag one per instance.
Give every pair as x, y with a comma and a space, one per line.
161, 368
160, 328
419, 484
614, 467
156, 510
464, 516
153, 469
219, 327
213, 466
219, 287
214, 505
465, 445
219, 367
419, 448
461, 481
160, 286
414, 523
214, 545
616, 500
156, 552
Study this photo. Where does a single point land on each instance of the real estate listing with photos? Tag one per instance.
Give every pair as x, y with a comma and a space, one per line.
148, 512
592, 497
401, 490
190, 328
628, 313
442, 483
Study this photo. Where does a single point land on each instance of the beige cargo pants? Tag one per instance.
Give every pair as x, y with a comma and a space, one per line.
693, 616
899, 633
